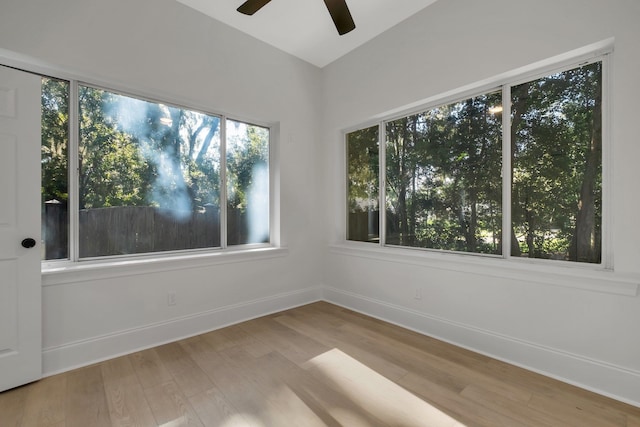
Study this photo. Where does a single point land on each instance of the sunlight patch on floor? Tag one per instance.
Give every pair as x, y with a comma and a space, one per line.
180, 421
242, 420
376, 394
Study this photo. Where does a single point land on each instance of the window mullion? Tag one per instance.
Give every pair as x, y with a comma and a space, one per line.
382, 184
345, 147
223, 182
74, 171
506, 171
607, 175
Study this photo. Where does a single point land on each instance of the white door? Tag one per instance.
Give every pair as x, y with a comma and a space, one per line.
20, 289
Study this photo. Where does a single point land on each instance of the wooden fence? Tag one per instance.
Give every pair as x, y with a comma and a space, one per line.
122, 230
140, 229
363, 226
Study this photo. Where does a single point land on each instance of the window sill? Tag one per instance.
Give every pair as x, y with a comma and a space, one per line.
579, 277
73, 272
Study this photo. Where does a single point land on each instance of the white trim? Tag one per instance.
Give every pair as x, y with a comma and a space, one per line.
506, 172
274, 185
344, 163
608, 186
223, 183
547, 272
382, 184
74, 272
73, 172
96, 349
600, 377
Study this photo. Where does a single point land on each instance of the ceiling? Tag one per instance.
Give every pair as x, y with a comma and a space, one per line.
304, 28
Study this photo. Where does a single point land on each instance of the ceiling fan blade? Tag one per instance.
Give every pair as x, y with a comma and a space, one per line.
340, 15
252, 6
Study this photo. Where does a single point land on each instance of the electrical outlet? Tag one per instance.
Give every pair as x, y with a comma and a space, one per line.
418, 293
171, 298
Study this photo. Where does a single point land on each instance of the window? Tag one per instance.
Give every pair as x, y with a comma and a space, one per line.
149, 176
247, 183
362, 185
442, 182
55, 168
556, 166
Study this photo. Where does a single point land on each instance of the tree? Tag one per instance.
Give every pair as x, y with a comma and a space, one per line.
362, 173
55, 140
113, 171
557, 165
140, 153
55, 167
163, 159
363, 184
443, 177
247, 156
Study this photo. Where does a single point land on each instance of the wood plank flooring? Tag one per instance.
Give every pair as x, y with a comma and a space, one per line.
316, 365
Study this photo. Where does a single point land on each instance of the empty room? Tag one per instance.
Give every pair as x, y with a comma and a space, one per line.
319, 213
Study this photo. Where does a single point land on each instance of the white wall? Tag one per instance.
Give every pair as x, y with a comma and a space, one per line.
583, 336
163, 48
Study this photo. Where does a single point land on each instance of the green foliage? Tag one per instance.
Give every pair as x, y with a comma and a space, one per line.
247, 150
362, 161
55, 139
139, 153
556, 154
443, 171
112, 170
443, 177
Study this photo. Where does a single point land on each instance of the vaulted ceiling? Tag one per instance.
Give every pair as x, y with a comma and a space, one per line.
304, 28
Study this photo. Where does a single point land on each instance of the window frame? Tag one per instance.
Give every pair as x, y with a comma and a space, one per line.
380, 187
57, 265
599, 53
453, 99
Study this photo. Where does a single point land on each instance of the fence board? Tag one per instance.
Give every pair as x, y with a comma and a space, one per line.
121, 230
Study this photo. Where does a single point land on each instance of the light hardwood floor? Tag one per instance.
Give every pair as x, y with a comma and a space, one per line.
316, 365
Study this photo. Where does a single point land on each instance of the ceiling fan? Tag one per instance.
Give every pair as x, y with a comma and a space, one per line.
337, 9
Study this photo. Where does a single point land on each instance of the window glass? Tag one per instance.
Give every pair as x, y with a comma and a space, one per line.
55, 168
556, 161
443, 177
443, 173
247, 148
362, 185
149, 176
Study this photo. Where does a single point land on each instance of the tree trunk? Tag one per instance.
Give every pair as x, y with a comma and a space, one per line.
530, 234
585, 244
414, 171
472, 242
517, 110
402, 196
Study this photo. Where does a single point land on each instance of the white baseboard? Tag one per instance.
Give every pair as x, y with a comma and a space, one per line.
606, 379
96, 349
602, 378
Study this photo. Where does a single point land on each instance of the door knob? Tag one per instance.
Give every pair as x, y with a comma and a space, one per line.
28, 243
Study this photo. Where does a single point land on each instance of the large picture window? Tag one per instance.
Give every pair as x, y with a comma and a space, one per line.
443, 181
149, 176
